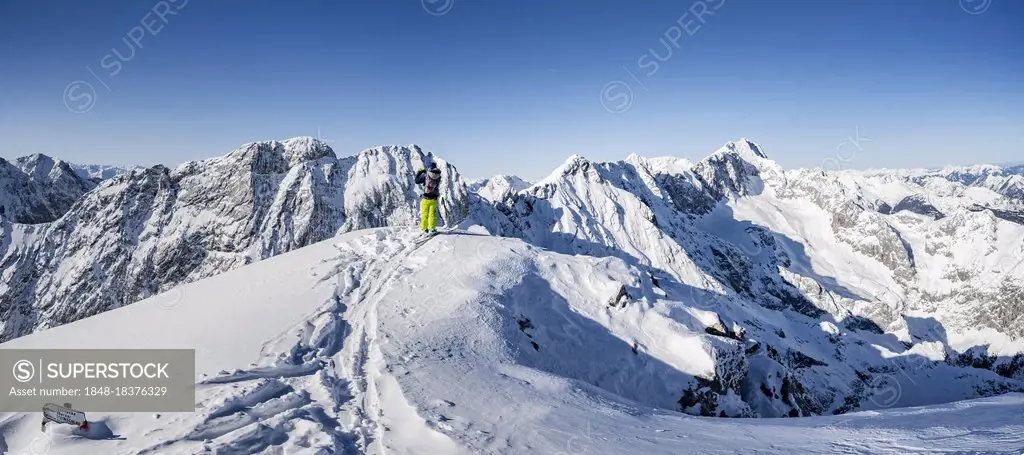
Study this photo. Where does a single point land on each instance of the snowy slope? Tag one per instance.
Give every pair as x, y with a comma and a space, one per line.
146, 231
353, 345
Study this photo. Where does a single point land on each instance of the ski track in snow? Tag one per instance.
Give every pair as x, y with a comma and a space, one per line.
350, 378
314, 379
266, 397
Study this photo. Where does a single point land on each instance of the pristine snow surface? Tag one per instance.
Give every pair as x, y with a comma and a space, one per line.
379, 342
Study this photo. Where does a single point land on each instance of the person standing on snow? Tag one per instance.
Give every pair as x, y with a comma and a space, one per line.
430, 182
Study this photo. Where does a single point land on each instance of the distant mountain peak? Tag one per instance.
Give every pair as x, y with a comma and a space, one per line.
279, 156
99, 172
39, 165
576, 160
34, 158
498, 187
306, 143
573, 164
38, 189
744, 148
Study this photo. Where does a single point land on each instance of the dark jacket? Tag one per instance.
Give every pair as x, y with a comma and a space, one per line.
431, 186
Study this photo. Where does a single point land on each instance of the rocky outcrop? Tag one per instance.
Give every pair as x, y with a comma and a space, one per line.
38, 189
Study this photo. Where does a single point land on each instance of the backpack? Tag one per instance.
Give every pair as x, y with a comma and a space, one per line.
431, 184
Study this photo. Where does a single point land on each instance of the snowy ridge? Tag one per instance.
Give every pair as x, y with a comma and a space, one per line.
353, 345
151, 229
1006, 180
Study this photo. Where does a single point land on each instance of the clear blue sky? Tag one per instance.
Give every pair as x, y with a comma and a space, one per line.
515, 86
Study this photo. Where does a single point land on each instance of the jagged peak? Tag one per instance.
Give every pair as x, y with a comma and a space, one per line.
280, 156
417, 153
745, 148
511, 181
670, 164
35, 158
746, 151
980, 170
100, 172
573, 163
498, 187
739, 167
305, 148
755, 147
39, 164
36, 163
640, 162
977, 168
393, 149
44, 167
576, 158
510, 178
660, 164
305, 142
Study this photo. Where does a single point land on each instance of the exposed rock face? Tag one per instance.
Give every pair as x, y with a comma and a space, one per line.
38, 189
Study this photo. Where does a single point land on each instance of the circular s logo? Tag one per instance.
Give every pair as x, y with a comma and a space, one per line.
616, 97
437, 7
24, 371
79, 97
975, 6
886, 391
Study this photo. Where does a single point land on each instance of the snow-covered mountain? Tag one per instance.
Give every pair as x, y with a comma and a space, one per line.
1005, 180
38, 189
378, 342
98, 172
738, 287
146, 231
497, 188
862, 262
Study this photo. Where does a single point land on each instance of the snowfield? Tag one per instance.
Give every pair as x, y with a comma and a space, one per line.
379, 342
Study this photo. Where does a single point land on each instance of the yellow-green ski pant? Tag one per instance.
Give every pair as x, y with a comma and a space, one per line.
428, 214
